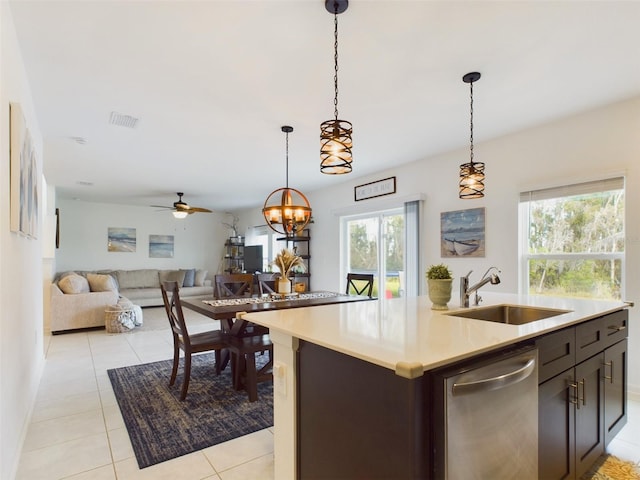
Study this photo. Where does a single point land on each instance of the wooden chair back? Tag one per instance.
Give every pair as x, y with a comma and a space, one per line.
173, 307
267, 282
233, 285
359, 284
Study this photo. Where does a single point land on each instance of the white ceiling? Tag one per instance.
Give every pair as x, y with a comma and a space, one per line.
212, 82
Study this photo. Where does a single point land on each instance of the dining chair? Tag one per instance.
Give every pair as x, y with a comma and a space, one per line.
233, 285
212, 340
359, 283
267, 282
238, 285
246, 374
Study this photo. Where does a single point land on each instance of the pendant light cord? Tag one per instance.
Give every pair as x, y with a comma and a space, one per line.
335, 60
471, 122
287, 159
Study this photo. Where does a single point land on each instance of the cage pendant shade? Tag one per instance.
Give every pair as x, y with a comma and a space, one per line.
472, 180
335, 147
471, 174
287, 210
335, 134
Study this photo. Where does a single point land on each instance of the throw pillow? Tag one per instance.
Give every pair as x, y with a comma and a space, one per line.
101, 283
189, 277
74, 283
200, 276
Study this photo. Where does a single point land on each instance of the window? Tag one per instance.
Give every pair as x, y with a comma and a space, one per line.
572, 240
385, 244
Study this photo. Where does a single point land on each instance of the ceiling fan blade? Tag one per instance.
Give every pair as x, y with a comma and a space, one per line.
198, 209
161, 206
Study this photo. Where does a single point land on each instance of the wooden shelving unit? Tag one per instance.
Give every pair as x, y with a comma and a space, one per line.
234, 255
300, 244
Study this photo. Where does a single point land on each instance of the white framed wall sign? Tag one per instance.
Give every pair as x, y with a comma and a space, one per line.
386, 186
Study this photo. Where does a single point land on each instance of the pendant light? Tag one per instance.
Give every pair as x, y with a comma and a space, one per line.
472, 173
286, 210
335, 134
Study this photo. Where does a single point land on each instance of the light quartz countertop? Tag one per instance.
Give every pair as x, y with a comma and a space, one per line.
406, 336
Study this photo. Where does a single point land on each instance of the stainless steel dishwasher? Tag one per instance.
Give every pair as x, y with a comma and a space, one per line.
486, 417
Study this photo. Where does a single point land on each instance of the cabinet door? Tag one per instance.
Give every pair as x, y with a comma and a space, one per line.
556, 428
589, 412
615, 386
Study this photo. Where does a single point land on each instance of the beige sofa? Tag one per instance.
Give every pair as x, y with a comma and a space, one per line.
79, 299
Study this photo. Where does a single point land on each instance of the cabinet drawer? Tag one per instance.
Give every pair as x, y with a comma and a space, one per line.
590, 339
556, 353
616, 326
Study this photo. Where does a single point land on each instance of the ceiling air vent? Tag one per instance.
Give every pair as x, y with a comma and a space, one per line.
123, 120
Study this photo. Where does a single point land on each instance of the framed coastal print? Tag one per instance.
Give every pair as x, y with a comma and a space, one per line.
160, 246
24, 178
121, 239
462, 233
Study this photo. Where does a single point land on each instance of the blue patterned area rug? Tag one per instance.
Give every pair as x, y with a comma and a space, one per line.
161, 427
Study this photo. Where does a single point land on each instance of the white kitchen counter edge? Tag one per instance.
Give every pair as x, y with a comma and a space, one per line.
406, 336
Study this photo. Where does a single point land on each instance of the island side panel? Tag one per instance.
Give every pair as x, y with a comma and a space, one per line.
358, 420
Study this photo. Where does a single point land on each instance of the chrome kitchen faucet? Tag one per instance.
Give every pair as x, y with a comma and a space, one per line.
466, 290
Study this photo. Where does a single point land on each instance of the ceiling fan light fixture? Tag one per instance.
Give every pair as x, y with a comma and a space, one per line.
181, 209
335, 134
287, 210
471, 174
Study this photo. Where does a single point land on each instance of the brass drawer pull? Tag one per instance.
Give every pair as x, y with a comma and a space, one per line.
617, 328
574, 398
609, 364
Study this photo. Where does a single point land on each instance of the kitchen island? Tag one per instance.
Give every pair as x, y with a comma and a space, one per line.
375, 356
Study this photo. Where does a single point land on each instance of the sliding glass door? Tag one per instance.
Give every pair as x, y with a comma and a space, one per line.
374, 243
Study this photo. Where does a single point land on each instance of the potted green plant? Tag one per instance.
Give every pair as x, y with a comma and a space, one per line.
285, 262
439, 280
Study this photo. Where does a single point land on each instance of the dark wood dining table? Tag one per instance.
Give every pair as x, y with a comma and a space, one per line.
227, 310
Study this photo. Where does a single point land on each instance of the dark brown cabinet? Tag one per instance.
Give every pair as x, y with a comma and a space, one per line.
581, 408
615, 387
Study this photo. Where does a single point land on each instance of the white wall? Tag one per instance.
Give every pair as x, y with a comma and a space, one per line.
198, 239
21, 322
588, 146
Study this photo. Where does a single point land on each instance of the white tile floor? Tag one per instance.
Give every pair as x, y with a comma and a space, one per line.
77, 431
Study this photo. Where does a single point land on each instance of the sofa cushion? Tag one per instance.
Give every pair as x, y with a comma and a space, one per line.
189, 277
200, 276
74, 283
147, 278
172, 276
101, 283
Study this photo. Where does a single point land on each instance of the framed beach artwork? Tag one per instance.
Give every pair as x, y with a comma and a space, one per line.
121, 239
462, 233
24, 178
161, 246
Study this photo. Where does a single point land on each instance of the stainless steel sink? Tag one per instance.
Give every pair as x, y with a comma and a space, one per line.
511, 314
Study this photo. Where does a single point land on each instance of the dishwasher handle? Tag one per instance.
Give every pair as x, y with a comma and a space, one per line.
494, 383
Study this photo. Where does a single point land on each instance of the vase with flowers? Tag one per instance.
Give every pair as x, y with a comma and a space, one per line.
285, 262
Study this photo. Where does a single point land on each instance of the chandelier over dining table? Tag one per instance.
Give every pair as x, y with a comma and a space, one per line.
287, 210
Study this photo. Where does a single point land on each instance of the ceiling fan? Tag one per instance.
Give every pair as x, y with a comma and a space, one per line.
182, 209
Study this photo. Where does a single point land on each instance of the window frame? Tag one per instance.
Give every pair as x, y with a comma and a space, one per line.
607, 184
